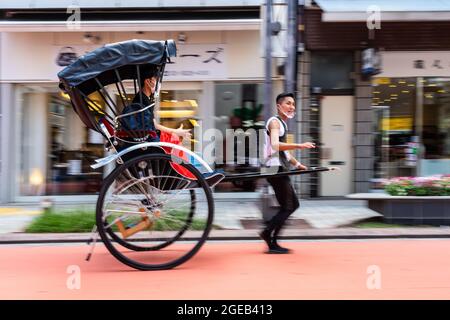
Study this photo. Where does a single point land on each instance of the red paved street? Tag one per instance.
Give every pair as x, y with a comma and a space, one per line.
409, 269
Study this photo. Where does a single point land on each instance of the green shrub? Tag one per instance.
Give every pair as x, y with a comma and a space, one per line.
84, 220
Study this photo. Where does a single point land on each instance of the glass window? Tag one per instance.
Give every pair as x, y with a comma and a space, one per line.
238, 106
436, 118
175, 107
331, 70
178, 107
56, 148
394, 100
412, 131
435, 148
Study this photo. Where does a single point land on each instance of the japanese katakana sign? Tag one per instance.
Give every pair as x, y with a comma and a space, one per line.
198, 62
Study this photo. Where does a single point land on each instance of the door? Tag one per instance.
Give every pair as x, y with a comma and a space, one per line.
336, 119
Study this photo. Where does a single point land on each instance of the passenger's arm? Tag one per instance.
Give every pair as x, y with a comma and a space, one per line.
185, 133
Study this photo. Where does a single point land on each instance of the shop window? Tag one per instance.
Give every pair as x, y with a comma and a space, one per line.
178, 107
331, 70
412, 127
56, 148
174, 108
435, 131
238, 106
436, 118
394, 100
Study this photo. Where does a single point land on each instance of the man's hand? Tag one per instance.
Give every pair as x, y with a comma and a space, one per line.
184, 133
299, 166
307, 145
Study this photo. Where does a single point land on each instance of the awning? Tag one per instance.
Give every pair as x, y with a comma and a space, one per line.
53, 4
121, 26
360, 10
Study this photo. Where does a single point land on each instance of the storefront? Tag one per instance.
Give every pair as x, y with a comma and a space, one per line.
411, 98
374, 126
46, 150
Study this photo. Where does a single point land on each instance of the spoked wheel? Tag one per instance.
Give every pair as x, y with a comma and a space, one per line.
183, 226
150, 217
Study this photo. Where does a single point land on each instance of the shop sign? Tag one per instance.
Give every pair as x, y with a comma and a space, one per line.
416, 64
199, 62
193, 61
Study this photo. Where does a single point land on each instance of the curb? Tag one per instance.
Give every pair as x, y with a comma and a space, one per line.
62, 241
249, 235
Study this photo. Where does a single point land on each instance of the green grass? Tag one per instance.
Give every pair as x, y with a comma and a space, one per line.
380, 224
377, 225
75, 221
62, 222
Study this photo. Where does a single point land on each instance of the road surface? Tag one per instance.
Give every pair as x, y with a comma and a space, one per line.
369, 269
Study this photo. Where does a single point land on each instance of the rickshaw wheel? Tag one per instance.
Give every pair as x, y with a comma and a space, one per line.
166, 242
146, 195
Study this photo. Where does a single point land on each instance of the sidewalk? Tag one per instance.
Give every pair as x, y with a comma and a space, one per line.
315, 219
229, 212
316, 213
15, 219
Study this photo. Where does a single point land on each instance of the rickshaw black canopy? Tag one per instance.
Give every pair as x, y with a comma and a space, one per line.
121, 56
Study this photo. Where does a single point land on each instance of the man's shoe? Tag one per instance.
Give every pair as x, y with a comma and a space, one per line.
276, 248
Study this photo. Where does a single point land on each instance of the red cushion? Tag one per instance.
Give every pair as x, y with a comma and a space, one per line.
173, 138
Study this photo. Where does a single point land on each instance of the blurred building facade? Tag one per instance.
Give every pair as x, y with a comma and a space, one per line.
371, 120
377, 101
46, 150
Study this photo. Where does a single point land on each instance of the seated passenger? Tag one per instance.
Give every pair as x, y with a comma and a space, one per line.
145, 120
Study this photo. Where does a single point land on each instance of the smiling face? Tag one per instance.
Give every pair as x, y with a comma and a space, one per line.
286, 107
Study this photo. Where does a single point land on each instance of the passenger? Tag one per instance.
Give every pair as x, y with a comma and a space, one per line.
144, 98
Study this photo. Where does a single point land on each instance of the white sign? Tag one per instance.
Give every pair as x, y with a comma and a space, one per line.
198, 62
34, 57
193, 62
415, 64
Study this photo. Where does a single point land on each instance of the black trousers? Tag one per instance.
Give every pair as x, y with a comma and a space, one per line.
288, 200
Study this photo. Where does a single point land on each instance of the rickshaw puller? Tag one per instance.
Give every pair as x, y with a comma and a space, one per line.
276, 133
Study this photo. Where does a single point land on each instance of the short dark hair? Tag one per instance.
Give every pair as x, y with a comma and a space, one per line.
148, 74
283, 95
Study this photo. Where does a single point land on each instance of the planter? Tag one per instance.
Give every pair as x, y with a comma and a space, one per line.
410, 210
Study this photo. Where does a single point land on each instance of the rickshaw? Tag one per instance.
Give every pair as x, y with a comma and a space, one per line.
155, 208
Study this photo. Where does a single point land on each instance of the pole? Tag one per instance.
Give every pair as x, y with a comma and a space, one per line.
268, 62
291, 62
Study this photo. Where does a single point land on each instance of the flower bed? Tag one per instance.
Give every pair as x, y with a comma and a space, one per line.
412, 200
438, 185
